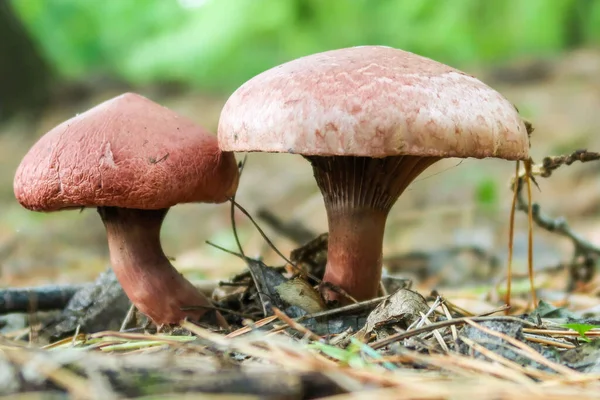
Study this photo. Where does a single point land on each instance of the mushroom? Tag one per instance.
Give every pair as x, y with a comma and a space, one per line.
133, 159
369, 119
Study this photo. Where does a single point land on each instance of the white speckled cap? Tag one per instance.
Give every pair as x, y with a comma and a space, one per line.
371, 101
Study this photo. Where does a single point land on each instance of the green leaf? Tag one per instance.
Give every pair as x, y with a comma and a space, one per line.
581, 329
220, 44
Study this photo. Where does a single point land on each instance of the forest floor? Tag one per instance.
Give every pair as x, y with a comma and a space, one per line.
448, 233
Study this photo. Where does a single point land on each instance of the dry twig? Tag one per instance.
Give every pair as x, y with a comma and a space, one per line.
583, 247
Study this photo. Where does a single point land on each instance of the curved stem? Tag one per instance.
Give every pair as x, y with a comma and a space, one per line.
152, 284
359, 193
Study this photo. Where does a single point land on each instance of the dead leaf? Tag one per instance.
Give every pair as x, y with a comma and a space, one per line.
403, 307
298, 292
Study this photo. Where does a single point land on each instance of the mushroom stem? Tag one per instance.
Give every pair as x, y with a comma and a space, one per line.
354, 254
359, 193
152, 284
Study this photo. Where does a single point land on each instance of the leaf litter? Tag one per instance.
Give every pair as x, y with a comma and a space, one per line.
285, 343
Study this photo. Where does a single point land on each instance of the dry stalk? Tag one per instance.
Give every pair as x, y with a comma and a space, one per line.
295, 325
511, 238
436, 334
528, 179
583, 247
593, 332
548, 342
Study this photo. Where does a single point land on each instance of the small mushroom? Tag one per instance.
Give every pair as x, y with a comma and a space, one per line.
369, 119
133, 159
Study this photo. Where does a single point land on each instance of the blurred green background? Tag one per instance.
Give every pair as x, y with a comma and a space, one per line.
217, 44
60, 57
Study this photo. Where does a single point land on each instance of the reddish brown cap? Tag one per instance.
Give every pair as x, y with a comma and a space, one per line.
371, 101
126, 152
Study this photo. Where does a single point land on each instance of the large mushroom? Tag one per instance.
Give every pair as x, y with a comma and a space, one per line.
369, 119
133, 159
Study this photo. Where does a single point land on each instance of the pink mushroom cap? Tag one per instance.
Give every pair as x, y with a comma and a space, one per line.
371, 101
127, 152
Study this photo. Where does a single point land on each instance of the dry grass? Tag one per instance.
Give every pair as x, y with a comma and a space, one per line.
85, 365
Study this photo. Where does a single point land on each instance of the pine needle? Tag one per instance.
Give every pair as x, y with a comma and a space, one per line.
528, 178
511, 237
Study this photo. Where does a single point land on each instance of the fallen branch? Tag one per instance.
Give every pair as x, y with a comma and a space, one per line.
584, 249
43, 298
550, 164
56, 297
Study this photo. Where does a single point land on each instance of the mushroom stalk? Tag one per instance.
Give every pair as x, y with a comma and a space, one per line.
152, 284
359, 193
354, 256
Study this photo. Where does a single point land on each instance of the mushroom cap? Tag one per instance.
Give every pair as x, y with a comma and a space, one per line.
127, 152
372, 101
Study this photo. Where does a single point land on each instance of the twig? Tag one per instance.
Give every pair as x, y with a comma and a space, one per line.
352, 307
250, 328
494, 311
269, 242
557, 225
449, 317
233, 253
557, 332
339, 310
128, 318
550, 164
436, 333
75, 335
262, 233
254, 270
454, 307
295, 325
421, 321
263, 301
528, 179
583, 247
548, 341
511, 238
47, 298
